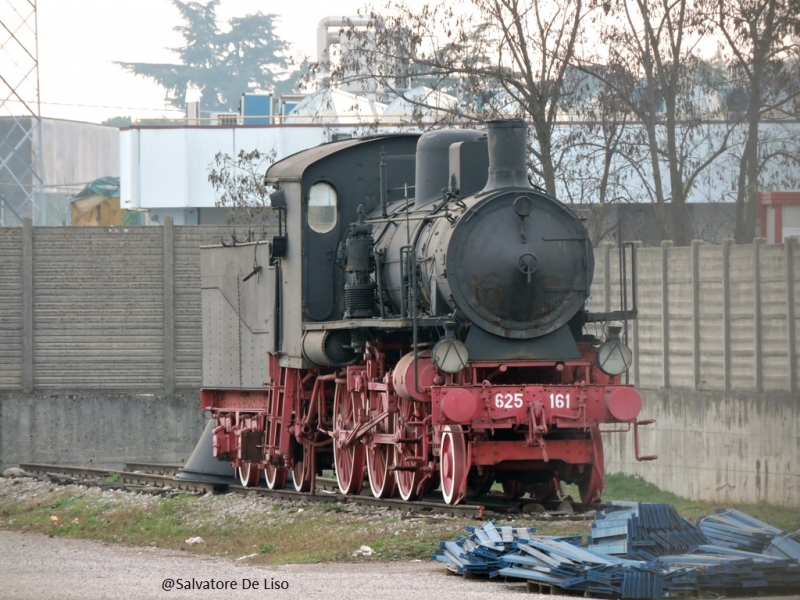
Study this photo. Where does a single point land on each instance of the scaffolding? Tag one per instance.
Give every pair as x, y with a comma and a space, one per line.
21, 159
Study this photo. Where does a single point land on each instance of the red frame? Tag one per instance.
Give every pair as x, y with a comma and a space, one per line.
289, 408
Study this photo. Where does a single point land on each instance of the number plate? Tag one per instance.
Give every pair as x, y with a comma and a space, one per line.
516, 400
507, 401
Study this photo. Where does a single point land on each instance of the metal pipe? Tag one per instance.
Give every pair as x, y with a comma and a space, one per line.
378, 269
414, 321
382, 173
325, 38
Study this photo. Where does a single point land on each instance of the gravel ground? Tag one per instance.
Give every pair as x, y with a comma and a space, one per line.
35, 566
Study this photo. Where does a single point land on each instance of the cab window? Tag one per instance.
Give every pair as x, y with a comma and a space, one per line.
322, 207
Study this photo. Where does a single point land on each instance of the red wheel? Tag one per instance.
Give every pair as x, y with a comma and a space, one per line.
302, 473
381, 479
592, 482
349, 460
380, 456
453, 466
249, 475
410, 454
275, 477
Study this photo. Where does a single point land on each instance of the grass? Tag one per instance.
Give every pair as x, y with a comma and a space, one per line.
629, 487
274, 533
277, 533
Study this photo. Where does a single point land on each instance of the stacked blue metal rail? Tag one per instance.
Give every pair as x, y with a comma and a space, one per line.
732, 528
717, 567
643, 531
481, 552
658, 554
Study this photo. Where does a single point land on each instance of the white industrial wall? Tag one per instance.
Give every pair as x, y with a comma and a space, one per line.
168, 167
75, 153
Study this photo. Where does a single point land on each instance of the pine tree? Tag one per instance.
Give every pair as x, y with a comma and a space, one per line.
246, 56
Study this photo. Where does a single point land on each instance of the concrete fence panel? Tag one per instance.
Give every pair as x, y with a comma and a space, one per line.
679, 313
98, 308
188, 335
650, 346
11, 309
103, 309
711, 308
773, 317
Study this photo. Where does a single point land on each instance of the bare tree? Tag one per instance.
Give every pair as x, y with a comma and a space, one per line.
654, 66
591, 169
515, 58
762, 43
240, 185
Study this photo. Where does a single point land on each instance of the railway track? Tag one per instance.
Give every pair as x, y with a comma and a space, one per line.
161, 480
138, 475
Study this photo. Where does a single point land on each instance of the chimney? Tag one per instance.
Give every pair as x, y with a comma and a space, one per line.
508, 150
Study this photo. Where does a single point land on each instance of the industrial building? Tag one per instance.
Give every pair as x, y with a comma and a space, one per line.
72, 155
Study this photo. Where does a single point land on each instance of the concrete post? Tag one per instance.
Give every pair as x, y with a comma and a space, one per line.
790, 314
665, 246
27, 305
758, 354
607, 277
726, 311
635, 324
696, 311
169, 306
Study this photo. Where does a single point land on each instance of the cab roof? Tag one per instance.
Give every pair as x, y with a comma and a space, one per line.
292, 167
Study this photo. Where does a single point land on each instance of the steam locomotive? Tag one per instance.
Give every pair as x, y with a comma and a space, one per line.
418, 321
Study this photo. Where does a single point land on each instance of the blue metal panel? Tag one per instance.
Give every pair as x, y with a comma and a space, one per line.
288, 106
256, 105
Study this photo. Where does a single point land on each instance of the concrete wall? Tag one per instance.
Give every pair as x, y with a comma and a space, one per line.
716, 362
101, 343
711, 317
75, 153
722, 447
103, 430
90, 308
11, 308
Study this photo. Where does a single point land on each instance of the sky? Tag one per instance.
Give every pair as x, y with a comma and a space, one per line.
79, 40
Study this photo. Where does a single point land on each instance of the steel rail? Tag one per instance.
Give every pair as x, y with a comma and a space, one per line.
156, 468
322, 495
